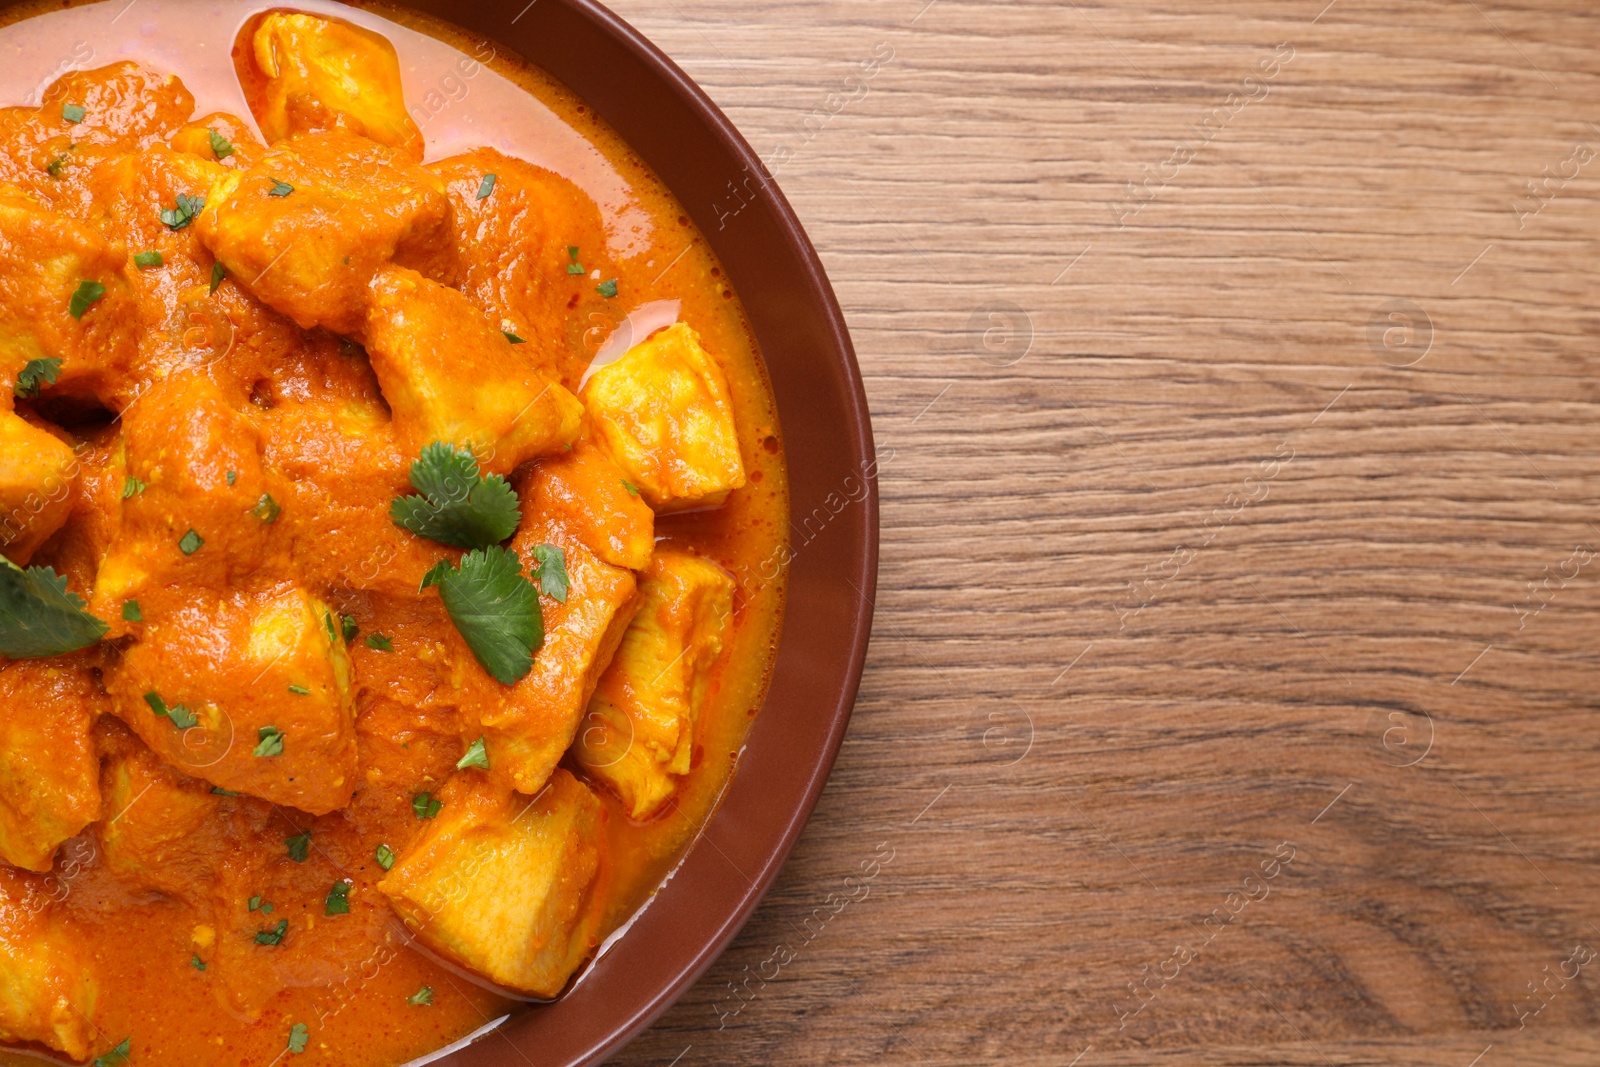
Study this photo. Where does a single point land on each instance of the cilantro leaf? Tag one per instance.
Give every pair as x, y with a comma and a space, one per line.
181, 716
574, 267
73, 113
218, 272
425, 806
267, 509
269, 741
40, 616
221, 147
385, 857
122, 1052
190, 543
349, 627
221, 792
299, 846
513, 338
53, 168
458, 506
146, 260
495, 608
551, 573
379, 643
84, 298
607, 289
196, 962
281, 188
299, 1034
421, 997
131, 611
338, 902
188, 207
633, 490
35, 376
273, 936
477, 756
487, 187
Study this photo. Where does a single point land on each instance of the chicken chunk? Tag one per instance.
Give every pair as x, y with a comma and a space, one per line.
62, 297
528, 728
250, 691
306, 228
161, 828
220, 138
324, 74
49, 772
662, 412
450, 375
638, 736
507, 886
47, 985
37, 473
517, 244
196, 501
587, 494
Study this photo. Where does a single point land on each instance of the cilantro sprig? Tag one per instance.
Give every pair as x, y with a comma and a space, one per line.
35, 376
40, 616
188, 207
458, 506
221, 147
495, 608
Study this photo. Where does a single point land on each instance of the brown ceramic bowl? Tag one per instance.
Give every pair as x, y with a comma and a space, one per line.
695, 150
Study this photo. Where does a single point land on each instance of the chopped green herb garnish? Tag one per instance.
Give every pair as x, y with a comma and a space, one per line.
299, 1034
273, 936
633, 490
269, 741
477, 756
233, 476
146, 260
338, 902
132, 487
53, 168
266, 509
495, 608
188, 207
607, 289
281, 189
380, 643
73, 112
350, 626
221, 792
40, 616
190, 543
458, 506
35, 376
131, 611
513, 338
221, 147
421, 997
327, 622
196, 962
299, 690
574, 267
121, 1053
487, 187
84, 298
299, 846
218, 272
385, 856
255, 902
551, 573
425, 806
180, 716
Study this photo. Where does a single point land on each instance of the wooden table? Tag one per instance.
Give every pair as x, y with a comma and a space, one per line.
1233, 693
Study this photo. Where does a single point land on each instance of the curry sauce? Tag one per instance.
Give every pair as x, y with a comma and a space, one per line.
414, 481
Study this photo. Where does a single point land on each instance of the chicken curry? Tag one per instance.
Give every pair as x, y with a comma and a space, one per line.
384, 592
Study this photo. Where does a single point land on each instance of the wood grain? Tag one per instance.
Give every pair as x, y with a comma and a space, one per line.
1246, 513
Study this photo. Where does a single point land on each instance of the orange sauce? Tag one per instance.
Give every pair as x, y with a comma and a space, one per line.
463, 94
